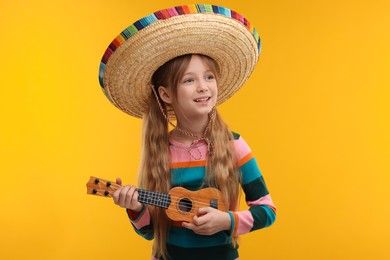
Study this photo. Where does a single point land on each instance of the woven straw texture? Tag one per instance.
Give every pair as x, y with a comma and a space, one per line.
126, 75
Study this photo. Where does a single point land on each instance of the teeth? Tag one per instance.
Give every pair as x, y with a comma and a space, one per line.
201, 99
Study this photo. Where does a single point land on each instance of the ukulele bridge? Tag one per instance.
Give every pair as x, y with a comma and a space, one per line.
214, 203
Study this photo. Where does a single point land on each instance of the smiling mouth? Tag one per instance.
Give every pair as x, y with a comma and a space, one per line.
202, 99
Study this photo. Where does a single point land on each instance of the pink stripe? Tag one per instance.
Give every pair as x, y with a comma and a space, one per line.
177, 154
239, 17
266, 200
172, 12
107, 55
245, 222
144, 220
242, 148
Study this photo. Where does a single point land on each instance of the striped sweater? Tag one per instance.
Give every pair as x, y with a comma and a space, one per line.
189, 173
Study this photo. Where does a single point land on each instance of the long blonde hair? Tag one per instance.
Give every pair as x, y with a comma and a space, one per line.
155, 172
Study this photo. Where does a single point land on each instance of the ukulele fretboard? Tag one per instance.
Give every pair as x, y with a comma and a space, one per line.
154, 198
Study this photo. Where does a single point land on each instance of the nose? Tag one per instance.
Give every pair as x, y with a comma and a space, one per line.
202, 87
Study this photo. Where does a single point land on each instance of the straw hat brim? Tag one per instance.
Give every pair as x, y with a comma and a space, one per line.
129, 69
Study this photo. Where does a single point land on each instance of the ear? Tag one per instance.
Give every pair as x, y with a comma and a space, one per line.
165, 94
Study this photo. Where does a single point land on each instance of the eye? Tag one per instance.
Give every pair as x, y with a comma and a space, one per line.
210, 77
188, 80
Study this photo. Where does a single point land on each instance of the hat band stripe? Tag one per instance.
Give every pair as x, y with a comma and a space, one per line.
172, 12
205, 8
224, 11
183, 9
101, 71
192, 9
167, 13
237, 16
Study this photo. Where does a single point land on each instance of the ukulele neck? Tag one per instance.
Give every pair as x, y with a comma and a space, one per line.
154, 198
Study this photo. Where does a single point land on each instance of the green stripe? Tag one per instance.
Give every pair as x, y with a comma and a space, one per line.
131, 30
208, 8
236, 136
263, 217
255, 189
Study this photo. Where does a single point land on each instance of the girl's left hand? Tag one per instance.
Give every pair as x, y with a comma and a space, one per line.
209, 221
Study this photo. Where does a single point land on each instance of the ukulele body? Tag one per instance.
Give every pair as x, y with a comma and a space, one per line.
185, 203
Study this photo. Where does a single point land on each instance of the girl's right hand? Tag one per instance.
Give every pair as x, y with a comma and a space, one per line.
127, 197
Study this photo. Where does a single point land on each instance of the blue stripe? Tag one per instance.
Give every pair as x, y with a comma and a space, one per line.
250, 171
224, 11
199, 7
271, 216
139, 25
232, 223
101, 73
215, 9
148, 20
188, 176
126, 34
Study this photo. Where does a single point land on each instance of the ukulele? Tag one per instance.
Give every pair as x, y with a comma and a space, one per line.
180, 204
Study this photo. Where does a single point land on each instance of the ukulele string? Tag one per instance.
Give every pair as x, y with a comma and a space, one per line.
114, 187
187, 205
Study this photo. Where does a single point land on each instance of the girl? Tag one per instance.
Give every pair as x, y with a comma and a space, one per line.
163, 72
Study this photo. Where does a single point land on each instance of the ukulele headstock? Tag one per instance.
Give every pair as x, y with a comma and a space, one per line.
100, 187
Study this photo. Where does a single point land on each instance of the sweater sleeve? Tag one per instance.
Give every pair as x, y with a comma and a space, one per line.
262, 211
141, 222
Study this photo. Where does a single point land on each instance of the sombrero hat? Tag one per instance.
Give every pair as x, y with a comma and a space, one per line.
137, 52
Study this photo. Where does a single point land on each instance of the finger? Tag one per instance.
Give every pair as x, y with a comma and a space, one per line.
119, 181
199, 221
203, 211
135, 196
123, 195
200, 230
188, 225
129, 200
116, 194
202, 216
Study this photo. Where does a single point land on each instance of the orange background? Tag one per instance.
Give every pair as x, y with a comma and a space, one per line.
315, 113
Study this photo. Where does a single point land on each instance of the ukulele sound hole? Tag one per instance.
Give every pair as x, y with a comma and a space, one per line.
185, 205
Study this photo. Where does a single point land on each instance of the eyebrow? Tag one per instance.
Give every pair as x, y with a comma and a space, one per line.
190, 73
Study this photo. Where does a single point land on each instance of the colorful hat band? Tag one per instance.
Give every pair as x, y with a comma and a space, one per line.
168, 13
